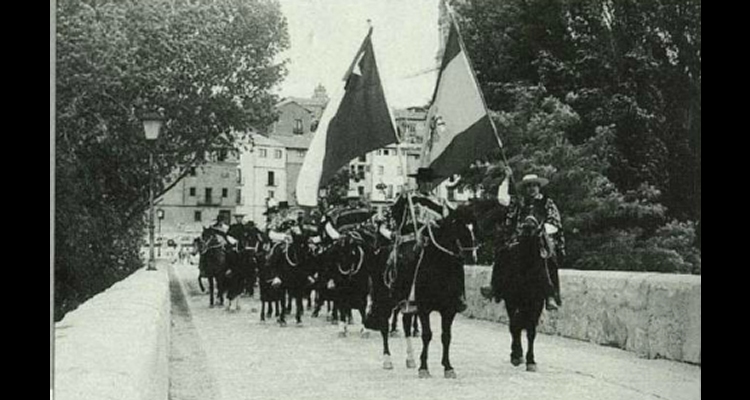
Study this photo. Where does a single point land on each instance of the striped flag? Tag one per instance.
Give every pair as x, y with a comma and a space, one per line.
356, 121
461, 130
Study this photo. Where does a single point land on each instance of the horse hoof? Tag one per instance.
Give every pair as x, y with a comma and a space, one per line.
388, 366
424, 374
451, 374
411, 364
395, 334
516, 361
532, 368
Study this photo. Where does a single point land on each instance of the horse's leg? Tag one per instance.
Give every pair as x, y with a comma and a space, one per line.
531, 332
300, 309
447, 321
516, 329
343, 320
283, 312
364, 333
211, 290
415, 329
407, 323
424, 369
263, 311
394, 322
530, 360
387, 361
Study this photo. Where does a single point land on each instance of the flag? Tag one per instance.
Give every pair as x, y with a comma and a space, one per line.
461, 130
356, 121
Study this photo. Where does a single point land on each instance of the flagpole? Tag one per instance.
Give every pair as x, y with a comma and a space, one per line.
454, 22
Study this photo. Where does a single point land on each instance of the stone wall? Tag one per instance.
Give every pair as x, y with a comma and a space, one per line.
116, 345
653, 315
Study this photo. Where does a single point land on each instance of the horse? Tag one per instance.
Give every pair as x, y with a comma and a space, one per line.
290, 269
435, 281
346, 274
270, 295
324, 257
520, 277
242, 264
212, 264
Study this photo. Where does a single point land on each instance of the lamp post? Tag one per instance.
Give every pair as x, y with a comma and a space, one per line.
152, 123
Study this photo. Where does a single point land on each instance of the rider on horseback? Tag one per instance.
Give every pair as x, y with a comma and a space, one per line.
535, 206
413, 212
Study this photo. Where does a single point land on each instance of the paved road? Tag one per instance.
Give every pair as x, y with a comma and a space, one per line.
222, 356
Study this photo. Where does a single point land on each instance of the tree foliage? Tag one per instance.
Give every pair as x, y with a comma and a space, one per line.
604, 98
207, 66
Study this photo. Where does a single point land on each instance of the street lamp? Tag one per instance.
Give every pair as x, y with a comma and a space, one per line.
152, 123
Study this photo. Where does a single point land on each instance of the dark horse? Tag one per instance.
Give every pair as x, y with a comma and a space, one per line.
436, 282
213, 264
242, 259
346, 274
271, 293
519, 277
290, 270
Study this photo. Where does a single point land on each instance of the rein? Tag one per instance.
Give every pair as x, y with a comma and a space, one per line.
354, 271
288, 259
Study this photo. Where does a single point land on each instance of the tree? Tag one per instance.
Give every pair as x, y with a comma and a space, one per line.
633, 66
207, 66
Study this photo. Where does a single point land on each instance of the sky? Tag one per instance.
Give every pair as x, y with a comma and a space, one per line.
326, 34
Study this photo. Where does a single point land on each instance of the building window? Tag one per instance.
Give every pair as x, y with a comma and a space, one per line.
361, 190
225, 193
381, 170
193, 171
193, 192
271, 194
298, 128
263, 153
209, 195
198, 216
271, 179
390, 194
451, 194
239, 177
278, 154
239, 197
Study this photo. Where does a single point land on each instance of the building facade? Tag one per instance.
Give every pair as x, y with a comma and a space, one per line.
263, 177
197, 201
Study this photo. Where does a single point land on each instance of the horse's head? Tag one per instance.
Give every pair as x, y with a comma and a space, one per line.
460, 227
530, 227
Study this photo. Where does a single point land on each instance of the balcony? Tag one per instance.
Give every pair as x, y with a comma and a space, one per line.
210, 202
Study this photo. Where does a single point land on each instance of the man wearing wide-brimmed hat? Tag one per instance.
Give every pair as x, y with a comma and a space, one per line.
533, 205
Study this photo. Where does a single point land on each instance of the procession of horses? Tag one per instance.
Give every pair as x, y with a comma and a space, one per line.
366, 271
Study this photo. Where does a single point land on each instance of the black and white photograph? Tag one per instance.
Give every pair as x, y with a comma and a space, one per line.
375, 199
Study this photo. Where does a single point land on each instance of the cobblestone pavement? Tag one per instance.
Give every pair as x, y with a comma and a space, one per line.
223, 356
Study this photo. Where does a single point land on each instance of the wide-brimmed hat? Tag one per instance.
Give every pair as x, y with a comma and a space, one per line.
533, 178
425, 174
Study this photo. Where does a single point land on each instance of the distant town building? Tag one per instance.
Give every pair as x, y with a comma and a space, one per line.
298, 120
205, 193
263, 177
